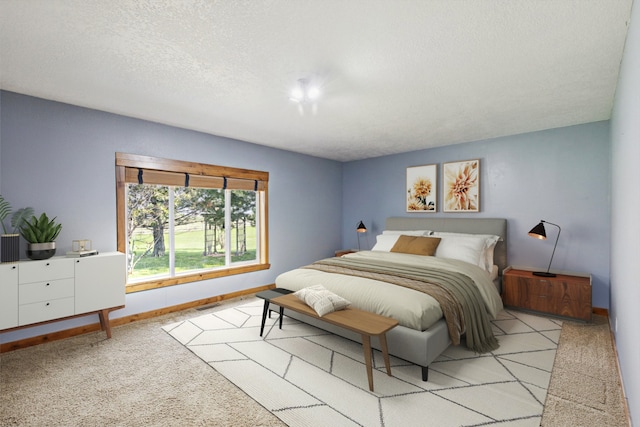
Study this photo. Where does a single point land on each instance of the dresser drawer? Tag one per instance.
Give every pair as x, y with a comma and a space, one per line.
46, 310
41, 271
45, 291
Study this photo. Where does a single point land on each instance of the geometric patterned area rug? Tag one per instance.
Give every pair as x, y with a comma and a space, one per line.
309, 377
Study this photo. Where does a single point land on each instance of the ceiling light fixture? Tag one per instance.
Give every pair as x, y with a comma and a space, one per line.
306, 93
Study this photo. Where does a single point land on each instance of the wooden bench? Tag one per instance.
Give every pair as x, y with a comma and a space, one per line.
363, 322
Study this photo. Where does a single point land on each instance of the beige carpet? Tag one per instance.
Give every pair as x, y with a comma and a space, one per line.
585, 387
143, 377
140, 377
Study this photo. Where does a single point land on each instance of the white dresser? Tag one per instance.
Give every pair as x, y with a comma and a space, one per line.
41, 291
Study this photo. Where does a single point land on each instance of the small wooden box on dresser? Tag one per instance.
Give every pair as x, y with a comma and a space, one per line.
564, 295
33, 292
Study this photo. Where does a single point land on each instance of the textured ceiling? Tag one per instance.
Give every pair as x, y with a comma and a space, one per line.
397, 75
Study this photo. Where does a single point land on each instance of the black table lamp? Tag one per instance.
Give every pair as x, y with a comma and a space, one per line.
360, 229
539, 233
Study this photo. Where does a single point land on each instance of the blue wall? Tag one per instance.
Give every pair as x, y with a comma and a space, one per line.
559, 175
625, 205
60, 159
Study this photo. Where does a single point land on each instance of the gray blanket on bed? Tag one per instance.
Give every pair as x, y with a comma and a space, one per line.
461, 303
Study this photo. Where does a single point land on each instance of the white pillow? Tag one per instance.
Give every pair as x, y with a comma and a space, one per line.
468, 249
408, 232
322, 300
493, 274
488, 255
490, 242
384, 242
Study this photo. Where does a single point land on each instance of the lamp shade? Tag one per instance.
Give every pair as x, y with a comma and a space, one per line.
538, 232
361, 228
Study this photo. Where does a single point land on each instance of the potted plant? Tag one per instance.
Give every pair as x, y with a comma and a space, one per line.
10, 239
41, 233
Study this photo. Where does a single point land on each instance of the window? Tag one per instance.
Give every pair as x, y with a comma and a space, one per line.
180, 222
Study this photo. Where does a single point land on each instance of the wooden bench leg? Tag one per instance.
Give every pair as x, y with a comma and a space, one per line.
366, 345
265, 309
385, 352
281, 316
104, 322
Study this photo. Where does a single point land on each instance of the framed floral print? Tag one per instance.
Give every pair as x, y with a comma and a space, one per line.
461, 186
422, 188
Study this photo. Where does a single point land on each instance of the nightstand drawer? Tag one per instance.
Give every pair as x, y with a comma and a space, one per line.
535, 295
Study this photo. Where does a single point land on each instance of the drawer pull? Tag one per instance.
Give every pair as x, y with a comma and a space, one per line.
48, 304
47, 284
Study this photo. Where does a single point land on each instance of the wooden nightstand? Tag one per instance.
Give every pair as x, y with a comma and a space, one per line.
564, 295
345, 251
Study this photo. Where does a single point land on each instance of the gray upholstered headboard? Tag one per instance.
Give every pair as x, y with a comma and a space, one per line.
496, 226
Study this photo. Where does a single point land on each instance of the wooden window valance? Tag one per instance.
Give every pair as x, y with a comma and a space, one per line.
153, 170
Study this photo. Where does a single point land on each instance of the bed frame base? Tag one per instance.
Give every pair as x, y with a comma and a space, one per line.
418, 347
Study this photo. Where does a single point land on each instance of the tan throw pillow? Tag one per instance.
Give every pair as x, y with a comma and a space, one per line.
321, 299
416, 245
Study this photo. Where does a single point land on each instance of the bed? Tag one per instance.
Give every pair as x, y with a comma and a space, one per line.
424, 332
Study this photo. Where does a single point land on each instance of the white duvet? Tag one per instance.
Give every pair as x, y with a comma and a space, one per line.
413, 309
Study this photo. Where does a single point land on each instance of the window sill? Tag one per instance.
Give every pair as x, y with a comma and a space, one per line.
188, 278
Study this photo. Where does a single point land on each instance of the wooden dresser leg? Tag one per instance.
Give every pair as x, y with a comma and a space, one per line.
104, 322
